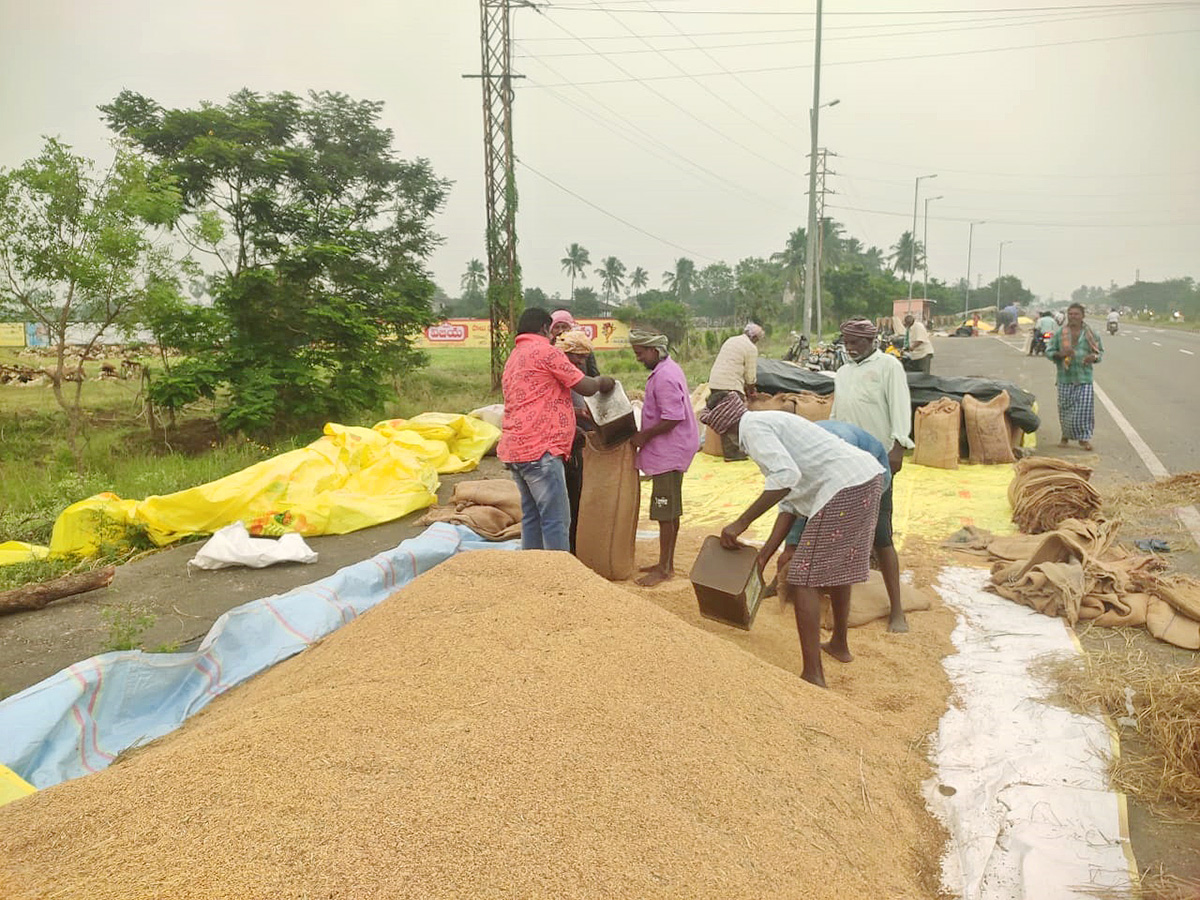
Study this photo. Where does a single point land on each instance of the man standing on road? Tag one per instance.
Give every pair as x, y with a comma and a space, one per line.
812, 473
539, 428
917, 343
1075, 348
735, 370
668, 440
871, 391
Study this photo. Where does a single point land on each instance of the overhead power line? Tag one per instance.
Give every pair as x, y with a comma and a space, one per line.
916, 56
1116, 224
881, 12
613, 216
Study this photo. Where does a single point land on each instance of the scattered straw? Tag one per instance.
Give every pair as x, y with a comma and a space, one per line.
1166, 493
1154, 884
1157, 702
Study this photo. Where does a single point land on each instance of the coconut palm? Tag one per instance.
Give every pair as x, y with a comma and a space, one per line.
612, 277
638, 279
907, 255
575, 264
679, 281
791, 260
473, 279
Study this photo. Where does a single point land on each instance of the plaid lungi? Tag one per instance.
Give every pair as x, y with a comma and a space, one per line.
1076, 411
835, 548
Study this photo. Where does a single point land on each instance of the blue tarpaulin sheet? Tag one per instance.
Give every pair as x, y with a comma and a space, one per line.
78, 720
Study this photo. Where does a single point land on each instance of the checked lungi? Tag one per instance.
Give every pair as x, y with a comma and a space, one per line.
1076, 411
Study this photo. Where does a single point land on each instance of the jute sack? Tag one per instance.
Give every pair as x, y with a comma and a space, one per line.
608, 509
936, 430
987, 430
770, 402
869, 601
712, 443
501, 493
813, 407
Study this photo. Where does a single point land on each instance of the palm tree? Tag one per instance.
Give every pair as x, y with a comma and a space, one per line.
907, 255
833, 246
473, 279
680, 280
575, 263
638, 279
612, 277
873, 259
791, 259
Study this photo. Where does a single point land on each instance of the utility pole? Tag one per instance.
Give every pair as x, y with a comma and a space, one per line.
967, 284
822, 190
912, 256
925, 248
810, 246
999, 272
500, 184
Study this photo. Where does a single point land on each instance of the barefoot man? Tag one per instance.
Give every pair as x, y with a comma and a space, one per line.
666, 444
836, 486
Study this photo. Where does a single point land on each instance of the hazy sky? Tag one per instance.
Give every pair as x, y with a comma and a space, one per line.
1071, 127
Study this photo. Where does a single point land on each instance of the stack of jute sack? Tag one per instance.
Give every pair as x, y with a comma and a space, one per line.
812, 406
1045, 492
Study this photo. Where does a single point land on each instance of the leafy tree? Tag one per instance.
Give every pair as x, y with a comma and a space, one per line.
76, 255
1011, 291
1159, 297
535, 296
586, 303
679, 280
575, 263
612, 277
716, 286
638, 279
759, 290
905, 257
791, 259
666, 315
320, 236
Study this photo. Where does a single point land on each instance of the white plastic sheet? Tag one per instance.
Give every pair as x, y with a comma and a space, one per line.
1020, 783
233, 546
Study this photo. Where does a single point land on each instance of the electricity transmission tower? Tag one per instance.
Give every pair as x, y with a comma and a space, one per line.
823, 171
500, 184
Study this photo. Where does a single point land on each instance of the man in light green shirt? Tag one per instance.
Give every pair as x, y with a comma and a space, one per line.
1075, 348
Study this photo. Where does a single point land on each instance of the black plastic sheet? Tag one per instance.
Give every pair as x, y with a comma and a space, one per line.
776, 376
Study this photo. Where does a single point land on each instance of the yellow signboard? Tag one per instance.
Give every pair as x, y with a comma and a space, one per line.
12, 334
605, 334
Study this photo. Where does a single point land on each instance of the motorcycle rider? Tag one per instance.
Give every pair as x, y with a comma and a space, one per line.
1114, 320
1043, 329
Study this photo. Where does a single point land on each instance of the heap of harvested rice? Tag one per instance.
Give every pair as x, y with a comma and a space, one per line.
509, 725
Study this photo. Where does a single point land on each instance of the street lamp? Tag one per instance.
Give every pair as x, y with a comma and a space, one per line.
967, 289
912, 260
925, 247
810, 242
999, 272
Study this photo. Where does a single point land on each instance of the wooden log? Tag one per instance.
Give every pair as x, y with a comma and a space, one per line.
36, 596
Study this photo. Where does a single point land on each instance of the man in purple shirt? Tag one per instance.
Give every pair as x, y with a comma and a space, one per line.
666, 444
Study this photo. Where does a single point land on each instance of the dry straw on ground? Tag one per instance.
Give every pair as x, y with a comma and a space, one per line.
1165, 493
1158, 707
509, 725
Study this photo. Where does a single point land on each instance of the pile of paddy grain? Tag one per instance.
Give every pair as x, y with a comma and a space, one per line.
508, 725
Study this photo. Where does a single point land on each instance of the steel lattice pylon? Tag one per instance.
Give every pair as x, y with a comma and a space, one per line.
504, 272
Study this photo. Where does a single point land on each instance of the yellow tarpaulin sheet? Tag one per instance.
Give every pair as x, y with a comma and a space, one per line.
19, 552
13, 786
348, 479
931, 503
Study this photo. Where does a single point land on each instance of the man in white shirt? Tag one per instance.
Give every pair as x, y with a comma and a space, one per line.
917, 343
812, 473
735, 370
871, 391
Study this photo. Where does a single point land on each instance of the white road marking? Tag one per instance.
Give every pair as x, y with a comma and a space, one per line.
1156, 343
1188, 515
1188, 352
1137, 338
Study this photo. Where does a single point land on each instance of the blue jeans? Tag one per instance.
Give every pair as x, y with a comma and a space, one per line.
545, 506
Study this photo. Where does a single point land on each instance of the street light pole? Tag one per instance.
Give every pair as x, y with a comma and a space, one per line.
999, 272
925, 248
967, 289
810, 243
912, 257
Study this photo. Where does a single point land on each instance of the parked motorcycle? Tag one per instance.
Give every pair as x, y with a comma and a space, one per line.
798, 351
1112, 327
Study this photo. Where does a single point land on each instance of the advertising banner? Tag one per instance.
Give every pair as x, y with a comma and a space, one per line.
605, 334
12, 334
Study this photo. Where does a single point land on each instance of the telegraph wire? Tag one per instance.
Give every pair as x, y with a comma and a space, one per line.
614, 216
1184, 4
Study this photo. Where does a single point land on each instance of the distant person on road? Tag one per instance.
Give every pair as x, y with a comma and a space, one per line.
1075, 348
538, 429
735, 370
1114, 316
918, 344
872, 393
666, 443
812, 473
1046, 324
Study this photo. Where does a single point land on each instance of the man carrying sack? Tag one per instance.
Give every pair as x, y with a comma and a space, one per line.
666, 444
